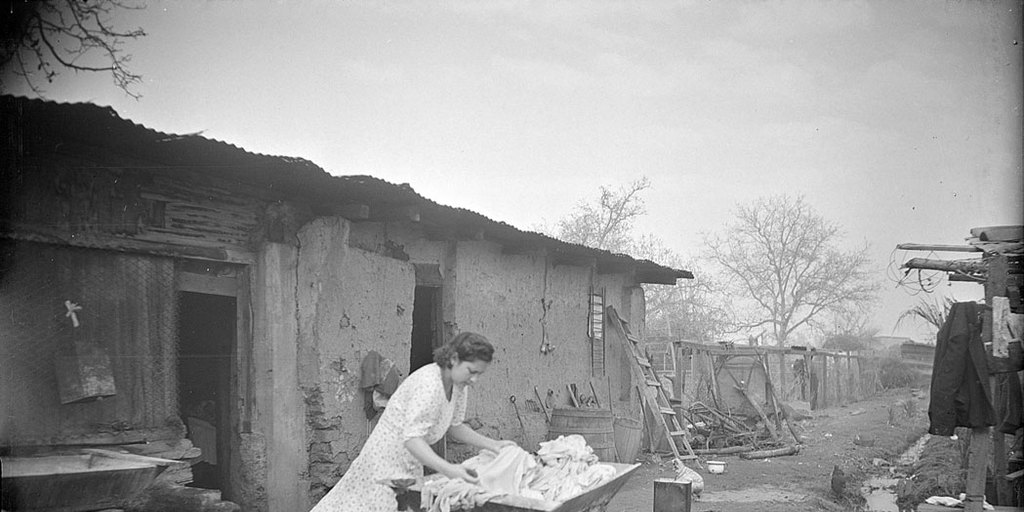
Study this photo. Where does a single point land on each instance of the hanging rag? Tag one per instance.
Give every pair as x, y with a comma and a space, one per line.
960, 393
379, 378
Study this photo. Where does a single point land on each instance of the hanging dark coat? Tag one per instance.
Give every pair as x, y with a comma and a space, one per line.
960, 394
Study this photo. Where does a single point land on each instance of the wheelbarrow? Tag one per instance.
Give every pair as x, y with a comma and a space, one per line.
593, 500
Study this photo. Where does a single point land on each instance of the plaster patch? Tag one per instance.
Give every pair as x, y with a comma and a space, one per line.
345, 394
339, 365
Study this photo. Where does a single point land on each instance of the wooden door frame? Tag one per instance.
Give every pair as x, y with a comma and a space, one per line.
240, 418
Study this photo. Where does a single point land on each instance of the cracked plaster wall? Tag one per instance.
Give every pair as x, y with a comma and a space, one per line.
356, 284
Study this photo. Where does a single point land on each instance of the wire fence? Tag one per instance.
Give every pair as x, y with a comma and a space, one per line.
87, 340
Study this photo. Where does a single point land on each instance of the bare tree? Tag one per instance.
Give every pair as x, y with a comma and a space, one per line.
691, 309
850, 331
43, 37
688, 309
782, 256
608, 223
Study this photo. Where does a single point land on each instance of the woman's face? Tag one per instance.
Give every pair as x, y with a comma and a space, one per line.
466, 372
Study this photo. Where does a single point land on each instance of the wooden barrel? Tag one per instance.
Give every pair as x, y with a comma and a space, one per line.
595, 425
628, 433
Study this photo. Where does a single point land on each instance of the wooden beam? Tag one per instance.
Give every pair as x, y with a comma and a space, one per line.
129, 245
522, 250
938, 248
351, 211
963, 266
655, 277
998, 233
977, 466
395, 212
202, 283
575, 260
964, 278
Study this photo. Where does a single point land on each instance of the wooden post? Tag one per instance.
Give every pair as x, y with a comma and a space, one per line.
859, 379
805, 393
823, 384
812, 382
838, 367
1004, 491
671, 496
679, 385
995, 286
850, 393
782, 377
977, 466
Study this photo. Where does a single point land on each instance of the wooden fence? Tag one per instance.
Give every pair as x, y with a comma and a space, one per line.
820, 378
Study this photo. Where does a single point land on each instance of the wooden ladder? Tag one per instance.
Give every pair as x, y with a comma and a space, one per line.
652, 392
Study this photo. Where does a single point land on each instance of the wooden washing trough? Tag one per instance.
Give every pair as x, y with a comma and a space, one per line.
594, 500
89, 479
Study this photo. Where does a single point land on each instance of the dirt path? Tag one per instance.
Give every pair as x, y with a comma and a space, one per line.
801, 482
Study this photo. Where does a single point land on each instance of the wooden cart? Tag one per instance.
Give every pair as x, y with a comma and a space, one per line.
594, 500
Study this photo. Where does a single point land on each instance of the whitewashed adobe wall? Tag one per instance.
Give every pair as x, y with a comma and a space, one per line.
351, 300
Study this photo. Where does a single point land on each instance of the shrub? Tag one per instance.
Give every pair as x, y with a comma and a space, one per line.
894, 373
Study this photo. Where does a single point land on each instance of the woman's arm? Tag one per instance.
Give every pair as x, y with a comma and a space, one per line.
463, 434
419, 448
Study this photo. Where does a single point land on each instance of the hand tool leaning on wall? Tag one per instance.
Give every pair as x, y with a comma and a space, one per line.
512, 399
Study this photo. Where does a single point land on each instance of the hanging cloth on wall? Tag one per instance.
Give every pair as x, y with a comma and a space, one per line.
379, 378
960, 391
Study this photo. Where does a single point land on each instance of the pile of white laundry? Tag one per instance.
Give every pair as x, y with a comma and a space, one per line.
562, 468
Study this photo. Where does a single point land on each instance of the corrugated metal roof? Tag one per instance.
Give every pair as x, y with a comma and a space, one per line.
47, 122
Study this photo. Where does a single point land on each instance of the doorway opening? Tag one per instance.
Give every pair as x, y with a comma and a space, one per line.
426, 326
206, 341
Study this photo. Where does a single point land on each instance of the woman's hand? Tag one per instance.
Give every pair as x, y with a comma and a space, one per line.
460, 472
500, 444
463, 434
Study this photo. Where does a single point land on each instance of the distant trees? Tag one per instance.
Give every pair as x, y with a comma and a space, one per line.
43, 37
778, 263
689, 309
782, 258
849, 332
692, 309
607, 223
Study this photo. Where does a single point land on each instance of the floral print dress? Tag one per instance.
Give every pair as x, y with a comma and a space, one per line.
419, 408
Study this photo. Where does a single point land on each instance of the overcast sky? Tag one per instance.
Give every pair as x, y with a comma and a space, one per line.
899, 120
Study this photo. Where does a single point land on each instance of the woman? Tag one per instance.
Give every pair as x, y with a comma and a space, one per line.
428, 404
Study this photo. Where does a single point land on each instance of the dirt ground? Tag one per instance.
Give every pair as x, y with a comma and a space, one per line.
802, 482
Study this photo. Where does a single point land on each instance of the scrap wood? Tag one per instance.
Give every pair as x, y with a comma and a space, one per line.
775, 402
727, 422
710, 377
724, 451
777, 452
743, 391
725, 429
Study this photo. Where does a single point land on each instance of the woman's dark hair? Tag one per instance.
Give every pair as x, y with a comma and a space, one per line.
467, 346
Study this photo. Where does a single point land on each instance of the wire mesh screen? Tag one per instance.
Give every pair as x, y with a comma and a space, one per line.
112, 375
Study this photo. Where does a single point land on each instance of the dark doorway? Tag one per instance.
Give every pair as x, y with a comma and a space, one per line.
206, 338
426, 326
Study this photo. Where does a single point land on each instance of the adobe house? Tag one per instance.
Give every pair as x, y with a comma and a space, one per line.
231, 298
